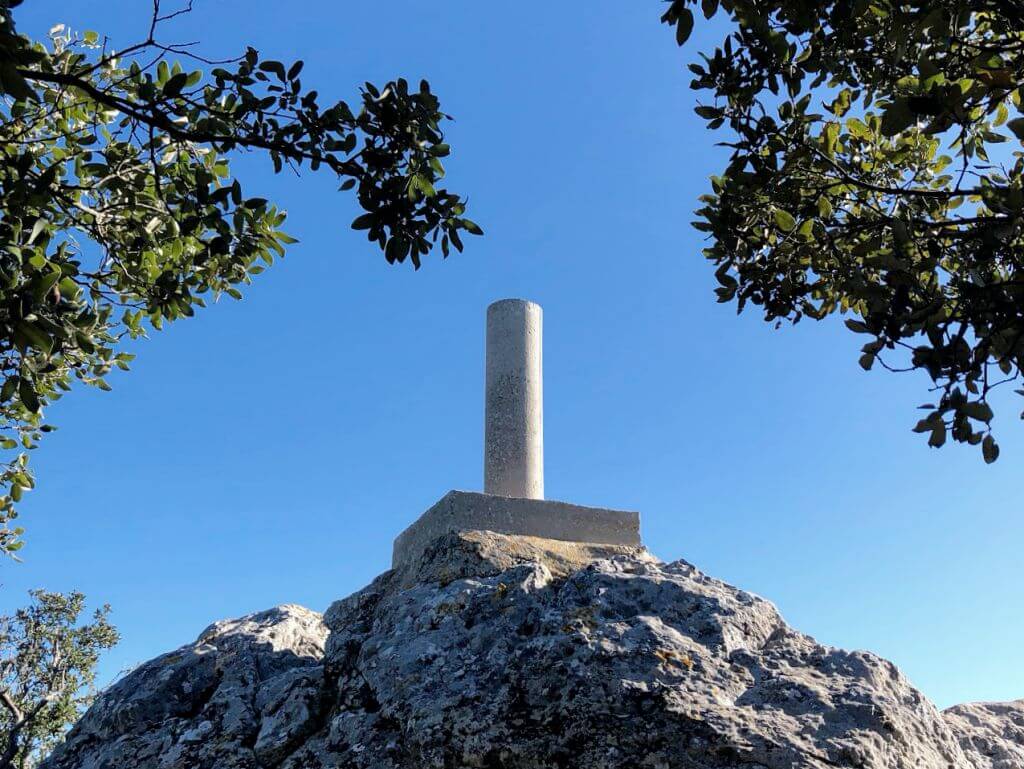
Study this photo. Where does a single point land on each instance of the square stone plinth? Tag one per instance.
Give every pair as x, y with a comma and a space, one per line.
468, 511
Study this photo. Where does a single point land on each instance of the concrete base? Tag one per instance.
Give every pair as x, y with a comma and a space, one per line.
472, 511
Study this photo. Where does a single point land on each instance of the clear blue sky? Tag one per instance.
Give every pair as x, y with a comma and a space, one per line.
268, 451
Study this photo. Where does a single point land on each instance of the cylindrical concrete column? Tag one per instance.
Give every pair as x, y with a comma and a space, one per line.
514, 419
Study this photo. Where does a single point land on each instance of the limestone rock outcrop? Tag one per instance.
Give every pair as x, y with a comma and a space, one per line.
517, 653
243, 695
991, 733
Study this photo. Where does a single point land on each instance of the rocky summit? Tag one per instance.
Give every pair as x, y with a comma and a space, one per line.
510, 651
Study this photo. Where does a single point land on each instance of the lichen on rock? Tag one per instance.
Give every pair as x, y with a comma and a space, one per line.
516, 653
244, 695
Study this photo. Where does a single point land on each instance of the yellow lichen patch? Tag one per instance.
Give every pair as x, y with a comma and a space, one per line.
582, 615
671, 656
446, 609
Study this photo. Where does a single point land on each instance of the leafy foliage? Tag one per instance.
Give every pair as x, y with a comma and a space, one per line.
875, 170
47, 668
120, 212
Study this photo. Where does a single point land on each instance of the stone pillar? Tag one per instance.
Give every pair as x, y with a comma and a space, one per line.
514, 419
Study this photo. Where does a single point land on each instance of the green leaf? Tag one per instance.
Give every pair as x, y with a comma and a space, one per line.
84, 342
44, 285
29, 398
684, 25
419, 183
9, 388
37, 228
784, 220
901, 232
989, 449
938, 436
857, 128
34, 336
978, 410
471, 227
397, 249
1017, 126
897, 117
275, 67
175, 84
12, 82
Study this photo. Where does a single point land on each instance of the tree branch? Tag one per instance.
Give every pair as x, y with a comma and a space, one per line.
157, 120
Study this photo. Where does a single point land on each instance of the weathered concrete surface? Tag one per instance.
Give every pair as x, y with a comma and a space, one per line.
514, 409
469, 511
527, 655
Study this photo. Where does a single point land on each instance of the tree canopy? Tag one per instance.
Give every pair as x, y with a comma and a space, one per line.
119, 211
47, 668
875, 171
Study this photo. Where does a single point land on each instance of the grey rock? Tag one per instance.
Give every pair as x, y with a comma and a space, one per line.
243, 695
507, 652
990, 733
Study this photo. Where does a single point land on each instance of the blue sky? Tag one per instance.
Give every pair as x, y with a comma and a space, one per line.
268, 451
